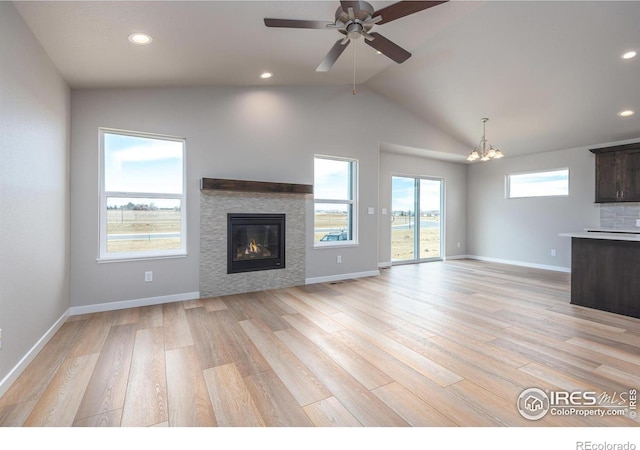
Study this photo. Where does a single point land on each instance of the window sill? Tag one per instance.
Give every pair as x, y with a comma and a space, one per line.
317, 245
116, 259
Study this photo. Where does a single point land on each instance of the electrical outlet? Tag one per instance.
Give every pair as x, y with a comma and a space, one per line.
148, 276
339, 259
458, 244
553, 252
638, 222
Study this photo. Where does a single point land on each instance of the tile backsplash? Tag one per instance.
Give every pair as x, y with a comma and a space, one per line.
620, 216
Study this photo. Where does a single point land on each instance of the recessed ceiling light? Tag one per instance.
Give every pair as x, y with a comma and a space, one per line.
626, 113
266, 75
140, 39
630, 54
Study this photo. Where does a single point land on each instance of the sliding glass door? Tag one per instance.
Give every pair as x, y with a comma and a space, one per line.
416, 221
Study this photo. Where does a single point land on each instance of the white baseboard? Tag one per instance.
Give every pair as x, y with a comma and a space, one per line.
521, 263
346, 276
76, 310
451, 258
14, 373
384, 265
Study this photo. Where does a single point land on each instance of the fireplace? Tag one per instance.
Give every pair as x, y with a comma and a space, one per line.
255, 242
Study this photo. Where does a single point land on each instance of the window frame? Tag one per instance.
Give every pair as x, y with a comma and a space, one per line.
508, 176
353, 202
103, 254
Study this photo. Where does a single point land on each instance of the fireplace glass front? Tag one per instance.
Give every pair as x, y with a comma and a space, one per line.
255, 242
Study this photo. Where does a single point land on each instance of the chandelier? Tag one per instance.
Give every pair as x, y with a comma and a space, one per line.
481, 152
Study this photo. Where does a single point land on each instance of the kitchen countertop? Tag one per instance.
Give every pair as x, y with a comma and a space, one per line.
605, 233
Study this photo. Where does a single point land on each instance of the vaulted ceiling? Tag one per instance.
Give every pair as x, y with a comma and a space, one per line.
549, 75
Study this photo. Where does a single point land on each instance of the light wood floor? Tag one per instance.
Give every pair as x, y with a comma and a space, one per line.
438, 344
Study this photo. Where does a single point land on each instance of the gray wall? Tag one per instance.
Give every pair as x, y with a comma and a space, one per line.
455, 208
262, 133
34, 191
524, 230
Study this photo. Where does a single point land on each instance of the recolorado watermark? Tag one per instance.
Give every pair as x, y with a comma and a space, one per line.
534, 404
588, 445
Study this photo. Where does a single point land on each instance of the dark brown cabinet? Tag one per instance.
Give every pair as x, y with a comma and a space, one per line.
604, 275
618, 173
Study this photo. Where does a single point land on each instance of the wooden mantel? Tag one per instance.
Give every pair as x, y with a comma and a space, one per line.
220, 184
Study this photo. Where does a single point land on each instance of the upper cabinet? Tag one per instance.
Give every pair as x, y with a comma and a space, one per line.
618, 173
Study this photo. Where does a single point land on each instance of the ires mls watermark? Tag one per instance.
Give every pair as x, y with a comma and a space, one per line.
534, 403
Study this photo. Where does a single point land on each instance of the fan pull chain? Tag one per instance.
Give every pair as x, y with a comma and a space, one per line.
354, 69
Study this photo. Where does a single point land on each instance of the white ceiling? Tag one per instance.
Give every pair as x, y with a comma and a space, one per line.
548, 74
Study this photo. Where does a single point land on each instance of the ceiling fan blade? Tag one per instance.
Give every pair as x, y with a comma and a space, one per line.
388, 48
333, 55
289, 23
404, 8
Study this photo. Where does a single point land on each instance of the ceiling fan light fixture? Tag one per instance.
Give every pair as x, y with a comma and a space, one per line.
354, 30
140, 39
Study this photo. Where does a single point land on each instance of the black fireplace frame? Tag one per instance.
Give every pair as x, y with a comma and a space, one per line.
255, 264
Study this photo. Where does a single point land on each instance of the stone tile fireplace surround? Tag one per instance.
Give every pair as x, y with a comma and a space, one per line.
219, 199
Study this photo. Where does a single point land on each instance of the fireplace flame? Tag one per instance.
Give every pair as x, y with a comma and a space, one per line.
253, 247
253, 250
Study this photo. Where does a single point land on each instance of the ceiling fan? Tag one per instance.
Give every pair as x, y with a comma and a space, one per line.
355, 19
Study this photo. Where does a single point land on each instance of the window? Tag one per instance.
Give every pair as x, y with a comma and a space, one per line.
552, 183
142, 196
335, 207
